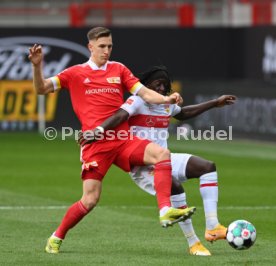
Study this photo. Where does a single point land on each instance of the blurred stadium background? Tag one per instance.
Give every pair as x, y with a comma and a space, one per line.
211, 48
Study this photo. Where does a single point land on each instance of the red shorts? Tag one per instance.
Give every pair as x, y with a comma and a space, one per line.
99, 156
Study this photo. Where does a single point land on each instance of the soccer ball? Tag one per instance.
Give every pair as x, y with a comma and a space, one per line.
241, 234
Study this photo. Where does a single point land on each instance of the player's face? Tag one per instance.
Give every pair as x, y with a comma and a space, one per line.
100, 50
159, 85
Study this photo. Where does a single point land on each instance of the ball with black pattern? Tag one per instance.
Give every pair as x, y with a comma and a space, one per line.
241, 234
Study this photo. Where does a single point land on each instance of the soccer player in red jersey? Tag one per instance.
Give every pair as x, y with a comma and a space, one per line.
96, 89
152, 121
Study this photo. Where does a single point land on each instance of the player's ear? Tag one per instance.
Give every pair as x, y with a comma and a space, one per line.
90, 46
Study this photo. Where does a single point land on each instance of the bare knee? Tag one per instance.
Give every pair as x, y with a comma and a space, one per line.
91, 193
177, 187
206, 167
155, 154
210, 167
90, 201
197, 167
164, 154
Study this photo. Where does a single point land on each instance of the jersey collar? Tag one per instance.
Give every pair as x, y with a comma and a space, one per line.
95, 67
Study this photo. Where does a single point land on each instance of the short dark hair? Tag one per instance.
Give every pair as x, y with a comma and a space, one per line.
98, 32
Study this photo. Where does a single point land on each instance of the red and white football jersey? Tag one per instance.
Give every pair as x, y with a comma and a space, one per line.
150, 121
96, 93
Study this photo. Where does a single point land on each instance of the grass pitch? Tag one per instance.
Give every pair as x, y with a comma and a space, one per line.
39, 179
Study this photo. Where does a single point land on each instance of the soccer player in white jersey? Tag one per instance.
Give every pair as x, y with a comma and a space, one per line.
96, 88
142, 118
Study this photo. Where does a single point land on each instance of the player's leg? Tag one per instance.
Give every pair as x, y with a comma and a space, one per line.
91, 194
139, 152
178, 200
143, 176
160, 158
208, 179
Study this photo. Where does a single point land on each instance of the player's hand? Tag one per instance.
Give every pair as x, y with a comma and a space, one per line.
35, 54
175, 98
80, 138
89, 136
83, 137
225, 100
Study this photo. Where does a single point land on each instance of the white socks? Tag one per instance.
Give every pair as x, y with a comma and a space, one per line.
179, 201
209, 193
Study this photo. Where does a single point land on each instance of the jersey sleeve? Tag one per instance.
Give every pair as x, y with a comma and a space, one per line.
175, 109
132, 105
131, 83
62, 79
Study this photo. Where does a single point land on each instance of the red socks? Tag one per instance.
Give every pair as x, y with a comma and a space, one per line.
163, 183
73, 215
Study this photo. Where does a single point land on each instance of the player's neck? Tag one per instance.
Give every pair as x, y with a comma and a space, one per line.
96, 65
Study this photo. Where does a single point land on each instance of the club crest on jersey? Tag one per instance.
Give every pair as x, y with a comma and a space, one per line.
116, 80
167, 108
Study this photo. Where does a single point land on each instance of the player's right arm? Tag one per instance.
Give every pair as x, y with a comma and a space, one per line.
41, 85
113, 121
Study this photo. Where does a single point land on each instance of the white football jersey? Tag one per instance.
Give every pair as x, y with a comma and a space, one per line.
150, 121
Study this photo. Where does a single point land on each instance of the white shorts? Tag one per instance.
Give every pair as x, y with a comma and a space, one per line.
143, 176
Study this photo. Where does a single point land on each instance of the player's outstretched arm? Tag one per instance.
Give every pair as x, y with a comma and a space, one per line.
113, 121
41, 85
197, 109
151, 96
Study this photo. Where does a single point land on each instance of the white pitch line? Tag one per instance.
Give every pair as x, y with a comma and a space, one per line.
131, 207
32, 207
247, 208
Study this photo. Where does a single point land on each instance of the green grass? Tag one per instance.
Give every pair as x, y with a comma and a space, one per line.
124, 228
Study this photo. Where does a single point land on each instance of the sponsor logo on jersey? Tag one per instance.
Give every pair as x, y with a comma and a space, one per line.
129, 101
114, 80
102, 90
150, 121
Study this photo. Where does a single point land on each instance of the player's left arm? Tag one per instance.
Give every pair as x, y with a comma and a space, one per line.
191, 111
